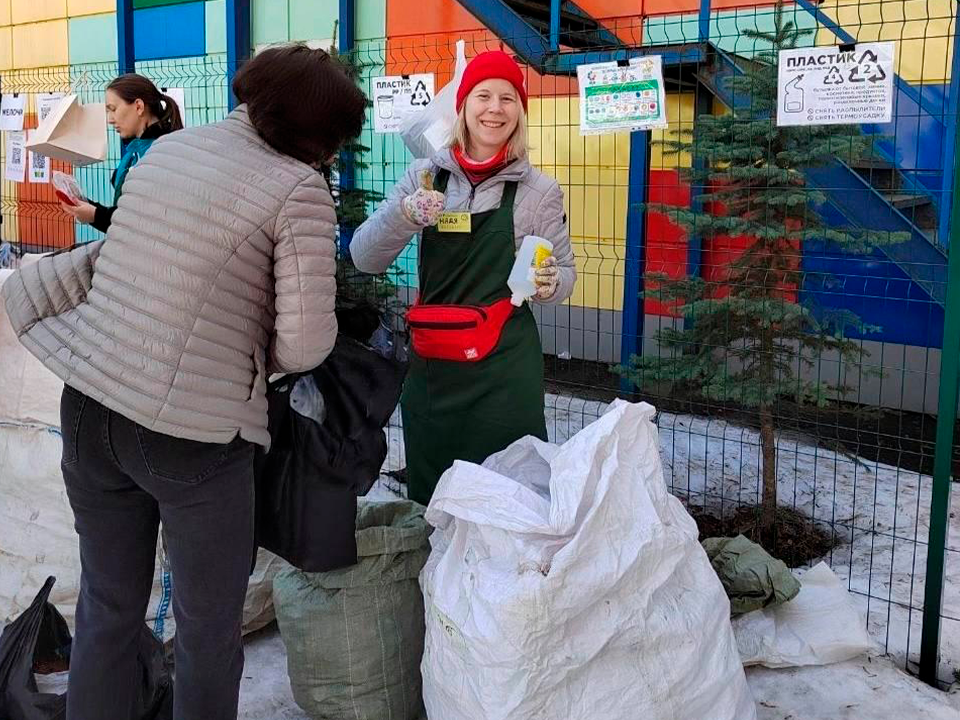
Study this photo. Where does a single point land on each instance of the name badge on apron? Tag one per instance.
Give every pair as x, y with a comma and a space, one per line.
454, 222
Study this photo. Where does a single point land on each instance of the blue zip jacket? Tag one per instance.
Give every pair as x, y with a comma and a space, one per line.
136, 149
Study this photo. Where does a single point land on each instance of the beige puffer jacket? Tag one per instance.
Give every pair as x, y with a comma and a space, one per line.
218, 269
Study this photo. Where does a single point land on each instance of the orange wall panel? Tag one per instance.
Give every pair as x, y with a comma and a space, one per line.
41, 221
603, 9
436, 54
424, 17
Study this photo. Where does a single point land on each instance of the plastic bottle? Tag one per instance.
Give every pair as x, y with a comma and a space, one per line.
533, 251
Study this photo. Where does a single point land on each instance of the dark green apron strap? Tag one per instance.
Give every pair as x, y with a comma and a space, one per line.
441, 179
509, 194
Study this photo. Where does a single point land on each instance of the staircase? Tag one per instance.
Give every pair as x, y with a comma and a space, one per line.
577, 29
870, 193
880, 194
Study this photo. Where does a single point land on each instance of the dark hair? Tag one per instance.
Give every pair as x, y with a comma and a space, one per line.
301, 101
132, 87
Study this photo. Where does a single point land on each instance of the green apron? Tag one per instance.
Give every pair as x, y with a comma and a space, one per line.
470, 410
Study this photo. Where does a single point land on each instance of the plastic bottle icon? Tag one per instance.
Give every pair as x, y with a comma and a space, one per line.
793, 96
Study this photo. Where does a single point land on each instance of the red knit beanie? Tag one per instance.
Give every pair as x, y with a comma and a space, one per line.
487, 66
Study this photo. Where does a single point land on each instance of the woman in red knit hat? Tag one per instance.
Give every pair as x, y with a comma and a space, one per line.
476, 374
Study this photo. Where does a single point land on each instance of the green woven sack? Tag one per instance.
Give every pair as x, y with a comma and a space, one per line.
354, 637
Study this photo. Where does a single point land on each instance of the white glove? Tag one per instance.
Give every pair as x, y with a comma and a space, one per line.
547, 278
425, 205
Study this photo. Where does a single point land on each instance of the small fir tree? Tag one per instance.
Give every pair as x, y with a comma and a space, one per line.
745, 336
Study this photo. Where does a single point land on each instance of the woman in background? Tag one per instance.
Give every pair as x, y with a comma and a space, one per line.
140, 114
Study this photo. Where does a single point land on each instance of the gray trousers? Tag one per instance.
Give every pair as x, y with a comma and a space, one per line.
122, 481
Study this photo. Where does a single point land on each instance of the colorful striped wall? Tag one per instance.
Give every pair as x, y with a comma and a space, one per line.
50, 45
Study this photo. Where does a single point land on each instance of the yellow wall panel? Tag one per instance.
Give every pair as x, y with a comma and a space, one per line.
680, 111
922, 30
4, 12
593, 173
6, 48
29, 11
600, 270
40, 44
75, 8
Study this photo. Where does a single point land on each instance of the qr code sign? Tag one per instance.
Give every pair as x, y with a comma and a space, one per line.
39, 162
16, 156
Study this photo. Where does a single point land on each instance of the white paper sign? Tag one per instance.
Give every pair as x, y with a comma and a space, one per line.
16, 166
615, 97
46, 102
179, 97
830, 86
11, 111
396, 96
38, 166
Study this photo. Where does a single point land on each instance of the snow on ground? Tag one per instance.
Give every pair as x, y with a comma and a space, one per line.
863, 689
868, 688
880, 513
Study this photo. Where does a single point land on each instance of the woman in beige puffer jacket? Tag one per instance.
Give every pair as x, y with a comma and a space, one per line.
218, 269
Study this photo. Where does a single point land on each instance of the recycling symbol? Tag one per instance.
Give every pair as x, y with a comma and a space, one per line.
868, 69
420, 94
834, 77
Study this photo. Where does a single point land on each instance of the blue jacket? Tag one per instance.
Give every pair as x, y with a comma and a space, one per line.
136, 149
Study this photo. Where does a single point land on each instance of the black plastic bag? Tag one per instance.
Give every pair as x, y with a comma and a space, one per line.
307, 485
40, 637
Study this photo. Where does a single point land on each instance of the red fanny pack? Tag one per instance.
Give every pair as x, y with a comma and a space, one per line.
463, 333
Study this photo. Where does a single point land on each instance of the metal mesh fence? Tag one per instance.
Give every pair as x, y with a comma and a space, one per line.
32, 218
856, 465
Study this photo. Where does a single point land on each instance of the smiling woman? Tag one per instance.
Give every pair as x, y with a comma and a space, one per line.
492, 105
475, 382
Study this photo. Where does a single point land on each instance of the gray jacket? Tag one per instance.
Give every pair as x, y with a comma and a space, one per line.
219, 268
537, 210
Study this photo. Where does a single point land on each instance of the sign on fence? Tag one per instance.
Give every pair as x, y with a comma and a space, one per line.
38, 166
179, 96
12, 107
46, 102
617, 97
16, 166
396, 96
848, 85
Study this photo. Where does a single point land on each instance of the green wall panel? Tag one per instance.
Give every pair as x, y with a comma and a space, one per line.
93, 39
270, 22
371, 19
216, 26
725, 28
312, 20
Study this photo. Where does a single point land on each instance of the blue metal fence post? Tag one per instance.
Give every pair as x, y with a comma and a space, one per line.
636, 252
126, 57
238, 42
949, 137
555, 25
703, 22
347, 170
703, 105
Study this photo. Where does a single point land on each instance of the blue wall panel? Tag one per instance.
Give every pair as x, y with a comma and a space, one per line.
876, 290
169, 31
